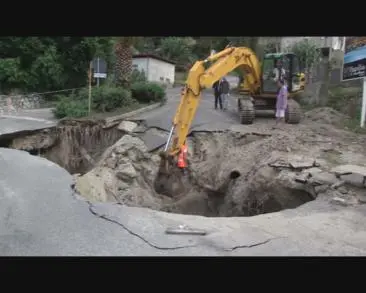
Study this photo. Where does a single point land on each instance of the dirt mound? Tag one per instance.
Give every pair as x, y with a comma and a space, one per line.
124, 174
326, 115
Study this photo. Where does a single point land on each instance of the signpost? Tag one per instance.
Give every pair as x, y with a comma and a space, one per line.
90, 85
100, 69
354, 66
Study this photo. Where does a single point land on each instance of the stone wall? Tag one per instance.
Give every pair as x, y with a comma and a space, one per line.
17, 103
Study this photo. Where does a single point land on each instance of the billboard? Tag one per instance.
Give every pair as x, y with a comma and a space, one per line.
354, 64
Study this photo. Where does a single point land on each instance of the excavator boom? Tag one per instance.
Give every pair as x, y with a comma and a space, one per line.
198, 79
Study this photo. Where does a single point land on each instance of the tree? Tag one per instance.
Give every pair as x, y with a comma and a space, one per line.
309, 55
307, 52
123, 66
47, 63
178, 49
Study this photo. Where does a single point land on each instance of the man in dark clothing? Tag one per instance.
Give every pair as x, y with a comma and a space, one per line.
216, 87
224, 90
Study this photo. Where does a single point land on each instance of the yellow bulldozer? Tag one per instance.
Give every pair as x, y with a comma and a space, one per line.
258, 92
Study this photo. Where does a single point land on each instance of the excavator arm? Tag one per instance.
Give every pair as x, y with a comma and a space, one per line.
198, 79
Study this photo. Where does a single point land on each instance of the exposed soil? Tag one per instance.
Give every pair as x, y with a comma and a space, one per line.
252, 170
75, 144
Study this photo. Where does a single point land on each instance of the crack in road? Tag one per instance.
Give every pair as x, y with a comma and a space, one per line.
104, 217
253, 245
135, 234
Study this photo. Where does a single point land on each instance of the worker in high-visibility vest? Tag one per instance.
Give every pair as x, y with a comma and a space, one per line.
182, 158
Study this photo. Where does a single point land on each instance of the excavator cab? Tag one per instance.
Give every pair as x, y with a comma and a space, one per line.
291, 65
265, 97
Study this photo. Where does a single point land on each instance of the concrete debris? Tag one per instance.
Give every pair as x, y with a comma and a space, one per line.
352, 174
342, 190
317, 163
354, 179
312, 171
362, 198
301, 164
338, 184
293, 161
139, 129
126, 172
280, 164
127, 126
154, 139
349, 169
321, 188
302, 178
339, 201
321, 178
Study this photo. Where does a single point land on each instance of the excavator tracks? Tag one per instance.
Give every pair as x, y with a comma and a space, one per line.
293, 112
246, 111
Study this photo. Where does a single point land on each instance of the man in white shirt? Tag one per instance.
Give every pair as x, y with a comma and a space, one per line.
279, 72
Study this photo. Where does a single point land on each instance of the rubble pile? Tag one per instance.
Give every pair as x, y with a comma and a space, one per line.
279, 169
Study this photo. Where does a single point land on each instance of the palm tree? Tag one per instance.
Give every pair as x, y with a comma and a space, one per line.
123, 53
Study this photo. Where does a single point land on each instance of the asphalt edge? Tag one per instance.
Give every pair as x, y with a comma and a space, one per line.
132, 113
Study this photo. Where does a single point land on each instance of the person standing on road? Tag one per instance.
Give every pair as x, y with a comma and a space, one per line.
216, 87
224, 90
281, 103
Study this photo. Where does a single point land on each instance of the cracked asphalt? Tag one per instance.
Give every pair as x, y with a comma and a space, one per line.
42, 216
26, 120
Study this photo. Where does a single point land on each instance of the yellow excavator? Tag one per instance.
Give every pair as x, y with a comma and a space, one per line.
258, 92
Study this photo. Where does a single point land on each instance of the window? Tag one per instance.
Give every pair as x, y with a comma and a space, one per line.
295, 65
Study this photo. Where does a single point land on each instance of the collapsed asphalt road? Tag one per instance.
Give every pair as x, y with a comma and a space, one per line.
41, 215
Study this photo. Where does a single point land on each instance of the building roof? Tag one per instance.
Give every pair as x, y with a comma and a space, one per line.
135, 56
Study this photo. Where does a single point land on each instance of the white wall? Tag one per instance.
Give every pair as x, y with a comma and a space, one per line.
140, 64
161, 71
155, 70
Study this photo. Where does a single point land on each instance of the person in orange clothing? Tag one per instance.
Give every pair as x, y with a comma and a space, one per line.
182, 159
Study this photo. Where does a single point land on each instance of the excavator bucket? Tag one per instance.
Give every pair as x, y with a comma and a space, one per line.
169, 177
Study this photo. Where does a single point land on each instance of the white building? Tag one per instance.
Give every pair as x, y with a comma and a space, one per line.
155, 68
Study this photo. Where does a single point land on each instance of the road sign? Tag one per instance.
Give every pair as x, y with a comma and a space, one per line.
100, 75
354, 66
354, 63
99, 69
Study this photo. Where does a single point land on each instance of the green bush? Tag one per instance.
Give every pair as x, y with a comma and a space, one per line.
106, 98
67, 107
147, 92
